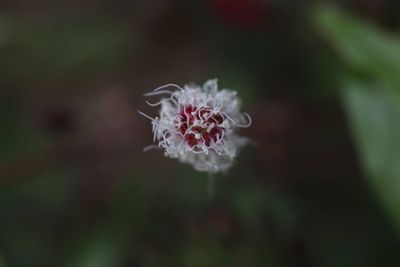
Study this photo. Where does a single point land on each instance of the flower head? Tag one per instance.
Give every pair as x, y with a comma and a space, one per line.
197, 125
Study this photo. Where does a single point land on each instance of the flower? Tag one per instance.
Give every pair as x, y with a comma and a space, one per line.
197, 125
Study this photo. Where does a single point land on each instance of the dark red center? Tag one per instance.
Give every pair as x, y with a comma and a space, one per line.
189, 115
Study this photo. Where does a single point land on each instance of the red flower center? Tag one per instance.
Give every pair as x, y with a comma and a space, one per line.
209, 132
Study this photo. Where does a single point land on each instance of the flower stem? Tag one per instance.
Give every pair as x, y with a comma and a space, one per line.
211, 185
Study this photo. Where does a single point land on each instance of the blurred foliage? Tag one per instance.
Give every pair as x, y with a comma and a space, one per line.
371, 95
54, 46
103, 249
17, 133
77, 190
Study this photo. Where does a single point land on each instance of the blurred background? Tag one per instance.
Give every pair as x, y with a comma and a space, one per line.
321, 186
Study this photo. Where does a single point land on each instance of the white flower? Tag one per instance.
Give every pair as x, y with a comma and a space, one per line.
197, 125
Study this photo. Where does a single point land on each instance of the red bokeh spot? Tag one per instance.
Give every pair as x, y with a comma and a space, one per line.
241, 12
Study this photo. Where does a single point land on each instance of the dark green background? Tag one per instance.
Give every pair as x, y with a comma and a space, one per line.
319, 187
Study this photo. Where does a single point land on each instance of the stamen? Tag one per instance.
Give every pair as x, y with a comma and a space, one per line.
158, 93
229, 118
145, 115
248, 124
168, 85
150, 147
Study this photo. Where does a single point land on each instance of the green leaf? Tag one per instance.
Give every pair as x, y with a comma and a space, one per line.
58, 46
363, 46
102, 249
375, 121
372, 100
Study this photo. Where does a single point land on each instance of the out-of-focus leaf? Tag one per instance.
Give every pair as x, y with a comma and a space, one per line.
3, 32
56, 46
375, 119
249, 206
2, 263
17, 134
204, 252
363, 46
101, 250
345, 246
371, 100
